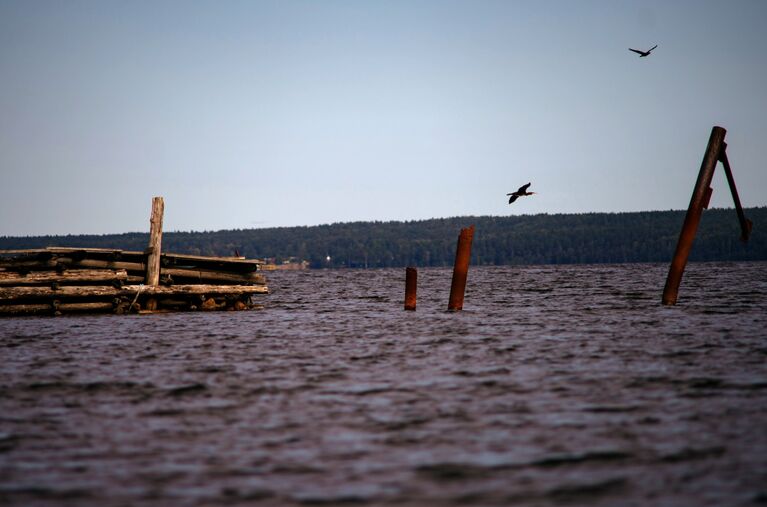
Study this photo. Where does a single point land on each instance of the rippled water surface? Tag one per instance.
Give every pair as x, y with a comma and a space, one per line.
555, 385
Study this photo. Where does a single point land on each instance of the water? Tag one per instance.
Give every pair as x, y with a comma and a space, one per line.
556, 385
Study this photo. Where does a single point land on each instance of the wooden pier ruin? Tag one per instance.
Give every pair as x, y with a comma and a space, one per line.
58, 280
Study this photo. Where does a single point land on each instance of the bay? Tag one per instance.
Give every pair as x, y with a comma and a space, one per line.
555, 385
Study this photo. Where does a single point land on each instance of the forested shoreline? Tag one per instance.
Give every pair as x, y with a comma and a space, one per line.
648, 236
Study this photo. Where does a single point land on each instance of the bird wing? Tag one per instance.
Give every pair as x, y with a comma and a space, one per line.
523, 189
512, 198
636, 51
655, 46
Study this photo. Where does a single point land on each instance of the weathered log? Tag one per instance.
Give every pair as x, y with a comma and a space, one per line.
70, 263
10, 278
85, 307
35, 264
112, 251
135, 268
9, 294
73, 255
58, 307
155, 243
206, 275
224, 263
154, 249
63, 249
25, 309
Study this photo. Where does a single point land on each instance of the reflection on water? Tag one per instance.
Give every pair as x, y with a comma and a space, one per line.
555, 385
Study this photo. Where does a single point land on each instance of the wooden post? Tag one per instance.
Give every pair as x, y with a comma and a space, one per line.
155, 248
461, 269
700, 195
411, 287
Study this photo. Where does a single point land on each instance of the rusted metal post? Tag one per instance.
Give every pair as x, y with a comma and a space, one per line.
745, 223
461, 269
411, 287
154, 249
700, 196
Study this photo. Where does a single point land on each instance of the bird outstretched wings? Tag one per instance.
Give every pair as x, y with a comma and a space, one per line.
523, 189
520, 192
643, 53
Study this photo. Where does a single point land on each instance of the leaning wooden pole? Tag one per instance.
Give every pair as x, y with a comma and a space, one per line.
461, 269
700, 198
155, 248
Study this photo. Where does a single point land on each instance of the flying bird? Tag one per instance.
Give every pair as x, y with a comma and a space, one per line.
519, 193
641, 53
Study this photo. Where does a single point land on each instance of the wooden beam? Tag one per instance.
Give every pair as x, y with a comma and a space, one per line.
184, 274
51, 308
78, 276
68, 263
209, 275
115, 255
9, 294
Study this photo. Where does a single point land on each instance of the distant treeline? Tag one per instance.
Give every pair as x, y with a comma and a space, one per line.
534, 239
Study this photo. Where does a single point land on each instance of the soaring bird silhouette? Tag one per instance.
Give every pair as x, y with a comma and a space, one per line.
519, 193
641, 53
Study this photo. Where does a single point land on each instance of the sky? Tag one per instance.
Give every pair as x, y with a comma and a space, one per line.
251, 114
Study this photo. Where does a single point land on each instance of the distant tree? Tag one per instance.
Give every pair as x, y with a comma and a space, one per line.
537, 239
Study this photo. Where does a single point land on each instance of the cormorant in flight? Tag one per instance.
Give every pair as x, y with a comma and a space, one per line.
641, 53
520, 192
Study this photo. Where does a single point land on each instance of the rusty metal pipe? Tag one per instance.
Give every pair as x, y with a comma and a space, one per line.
745, 223
461, 269
692, 218
411, 287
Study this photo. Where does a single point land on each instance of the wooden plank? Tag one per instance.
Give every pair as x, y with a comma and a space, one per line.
10, 278
9, 294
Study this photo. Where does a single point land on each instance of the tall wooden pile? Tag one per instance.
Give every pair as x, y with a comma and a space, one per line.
58, 280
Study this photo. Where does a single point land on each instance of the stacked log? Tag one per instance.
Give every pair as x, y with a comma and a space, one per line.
59, 280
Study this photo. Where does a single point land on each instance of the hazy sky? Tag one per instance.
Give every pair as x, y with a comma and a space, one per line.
250, 114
